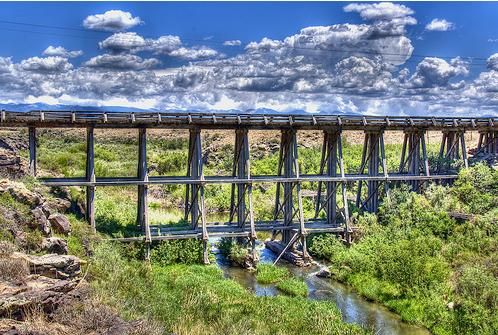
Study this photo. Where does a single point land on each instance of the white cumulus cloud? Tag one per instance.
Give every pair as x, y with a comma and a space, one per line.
439, 25
112, 20
121, 62
232, 43
61, 51
46, 64
379, 11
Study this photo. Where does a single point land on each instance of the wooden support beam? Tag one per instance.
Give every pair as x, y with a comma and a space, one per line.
331, 204
90, 177
32, 151
142, 207
373, 155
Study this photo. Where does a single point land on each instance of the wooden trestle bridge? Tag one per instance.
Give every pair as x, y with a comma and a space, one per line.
288, 218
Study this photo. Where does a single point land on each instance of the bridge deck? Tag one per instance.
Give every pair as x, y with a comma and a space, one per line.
222, 120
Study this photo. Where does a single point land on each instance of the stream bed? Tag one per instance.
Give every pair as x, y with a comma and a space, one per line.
353, 307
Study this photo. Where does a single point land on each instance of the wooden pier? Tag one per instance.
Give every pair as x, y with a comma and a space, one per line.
332, 212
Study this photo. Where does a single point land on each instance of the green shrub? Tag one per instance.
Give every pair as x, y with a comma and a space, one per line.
477, 188
187, 251
233, 251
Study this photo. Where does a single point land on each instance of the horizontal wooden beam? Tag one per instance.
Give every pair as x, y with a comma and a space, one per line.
224, 120
159, 233
124, 181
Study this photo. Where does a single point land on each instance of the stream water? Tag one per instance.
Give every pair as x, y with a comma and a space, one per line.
354, 308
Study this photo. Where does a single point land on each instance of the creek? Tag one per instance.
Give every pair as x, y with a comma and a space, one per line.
353, 307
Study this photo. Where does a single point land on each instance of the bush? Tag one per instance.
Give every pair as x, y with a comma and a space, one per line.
477, 188
187, 251
233, 251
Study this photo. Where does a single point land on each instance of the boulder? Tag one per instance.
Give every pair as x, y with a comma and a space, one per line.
60, 223
324, 272
38, 291
41, 221
52, 206
52, 265
54, 245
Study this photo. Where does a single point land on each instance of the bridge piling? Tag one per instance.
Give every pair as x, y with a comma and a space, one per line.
488, 142
194, 201
452, 148
90, 177
142, 174
372, 157
32, 151
412, 156
241, 193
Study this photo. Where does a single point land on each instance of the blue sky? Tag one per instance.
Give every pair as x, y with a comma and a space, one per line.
383, 58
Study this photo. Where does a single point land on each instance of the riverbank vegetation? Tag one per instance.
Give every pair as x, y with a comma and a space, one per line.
430, 268
197, 299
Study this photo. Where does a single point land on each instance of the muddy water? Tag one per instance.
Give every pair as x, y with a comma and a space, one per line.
354, 308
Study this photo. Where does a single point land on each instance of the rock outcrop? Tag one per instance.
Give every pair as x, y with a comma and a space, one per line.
52, 265
54, 245
60, 223
42, 282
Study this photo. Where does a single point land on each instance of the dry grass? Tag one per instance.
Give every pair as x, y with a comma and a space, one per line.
93, 317
11, 269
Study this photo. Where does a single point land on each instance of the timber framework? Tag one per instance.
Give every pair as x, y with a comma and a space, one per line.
331, 209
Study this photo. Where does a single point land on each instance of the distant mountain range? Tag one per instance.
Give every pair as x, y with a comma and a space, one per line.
42, 106
22, 107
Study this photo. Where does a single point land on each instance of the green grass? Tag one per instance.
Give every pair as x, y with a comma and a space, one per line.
271, 274
294, 287
198, 299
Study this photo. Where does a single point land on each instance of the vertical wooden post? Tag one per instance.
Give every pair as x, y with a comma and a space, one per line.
288, 163
32, 151
331, 202
347, 232
90, 177
384, 165
318, 200
142, 208
242, 162
371, 158
302, 230
464, 149
195, 196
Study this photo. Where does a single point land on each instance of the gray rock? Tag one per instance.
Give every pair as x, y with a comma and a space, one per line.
324, 272
52, 206
52, 265
55, 245
41, 221
38, 291
60, 223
